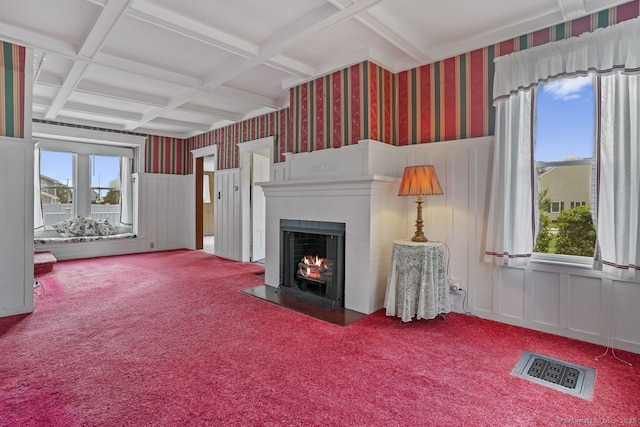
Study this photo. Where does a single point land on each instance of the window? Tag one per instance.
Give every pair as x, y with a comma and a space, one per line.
556, 207
56, 186
82, 179
105, 188
563, 153
609, 55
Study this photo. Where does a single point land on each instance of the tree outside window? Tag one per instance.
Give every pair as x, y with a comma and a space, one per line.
563, 154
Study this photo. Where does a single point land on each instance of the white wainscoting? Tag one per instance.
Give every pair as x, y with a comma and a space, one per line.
228, 224
163, 211
16, 226
560, 299
161, 202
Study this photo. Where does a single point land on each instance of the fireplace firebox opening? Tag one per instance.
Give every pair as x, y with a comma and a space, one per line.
312, 260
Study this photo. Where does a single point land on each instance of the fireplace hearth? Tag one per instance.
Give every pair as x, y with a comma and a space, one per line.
312, 260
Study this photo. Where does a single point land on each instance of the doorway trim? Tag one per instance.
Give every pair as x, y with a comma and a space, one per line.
196, 184
246, 150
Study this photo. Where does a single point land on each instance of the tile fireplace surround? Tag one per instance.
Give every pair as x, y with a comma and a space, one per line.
356, 185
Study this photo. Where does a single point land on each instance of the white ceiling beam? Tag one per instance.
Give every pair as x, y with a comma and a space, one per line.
209, 112
168, 20
70, 82
301, 29
572, 9
171, 21
184, 96
393, 36
181, 123
168, 133
103, 26
291, 66
112, 12
318, 20
35, 40
27, 38
245, 96
101, 3
47, 79
41, 101
101, 111
150, 71
39, 57
98, 89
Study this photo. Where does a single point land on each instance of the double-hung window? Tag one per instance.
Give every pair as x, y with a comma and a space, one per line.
83, 179
610, 56
563, 154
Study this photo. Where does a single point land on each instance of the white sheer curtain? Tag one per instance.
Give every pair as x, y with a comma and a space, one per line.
126, 199
38, 218
512, 223
609, 52
618, 172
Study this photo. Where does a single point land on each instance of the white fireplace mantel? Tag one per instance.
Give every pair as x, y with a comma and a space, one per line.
321, 186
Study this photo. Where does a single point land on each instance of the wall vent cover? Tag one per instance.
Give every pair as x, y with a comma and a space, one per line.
563, 376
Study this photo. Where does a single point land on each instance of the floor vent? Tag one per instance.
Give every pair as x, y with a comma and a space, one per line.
557, 374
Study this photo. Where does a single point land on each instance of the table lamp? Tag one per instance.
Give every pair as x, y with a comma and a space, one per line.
419, 181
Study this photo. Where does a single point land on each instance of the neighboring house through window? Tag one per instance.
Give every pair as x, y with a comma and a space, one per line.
564, 144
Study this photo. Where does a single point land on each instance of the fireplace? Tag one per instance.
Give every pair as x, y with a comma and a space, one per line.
354, 186
312, 260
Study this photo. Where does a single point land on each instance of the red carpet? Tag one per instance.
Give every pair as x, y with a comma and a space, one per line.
168, 339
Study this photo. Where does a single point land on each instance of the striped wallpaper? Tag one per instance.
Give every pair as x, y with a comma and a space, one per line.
343, 107
452, 99
271, 124
162, 154
12, 89
165, 155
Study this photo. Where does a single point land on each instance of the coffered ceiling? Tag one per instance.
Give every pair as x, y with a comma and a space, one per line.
183, 67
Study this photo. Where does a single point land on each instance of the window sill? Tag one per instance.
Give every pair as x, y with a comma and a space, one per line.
563, 260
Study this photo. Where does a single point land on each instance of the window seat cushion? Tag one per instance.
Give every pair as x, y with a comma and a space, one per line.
81, 229
79, 239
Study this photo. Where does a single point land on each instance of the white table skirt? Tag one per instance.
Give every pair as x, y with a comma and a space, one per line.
418, 284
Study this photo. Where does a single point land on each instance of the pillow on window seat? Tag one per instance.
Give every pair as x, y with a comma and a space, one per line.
84, 227
62, 228
105, 228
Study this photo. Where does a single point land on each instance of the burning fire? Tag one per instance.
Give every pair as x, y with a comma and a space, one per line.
312, 267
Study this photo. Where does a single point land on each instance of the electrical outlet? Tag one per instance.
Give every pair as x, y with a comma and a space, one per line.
455, 286
152, 245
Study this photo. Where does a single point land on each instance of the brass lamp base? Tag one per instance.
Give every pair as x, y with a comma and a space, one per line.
419, 236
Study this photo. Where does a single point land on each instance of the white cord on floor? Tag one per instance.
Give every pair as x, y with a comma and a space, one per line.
464, 300
613, 353
613, 350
